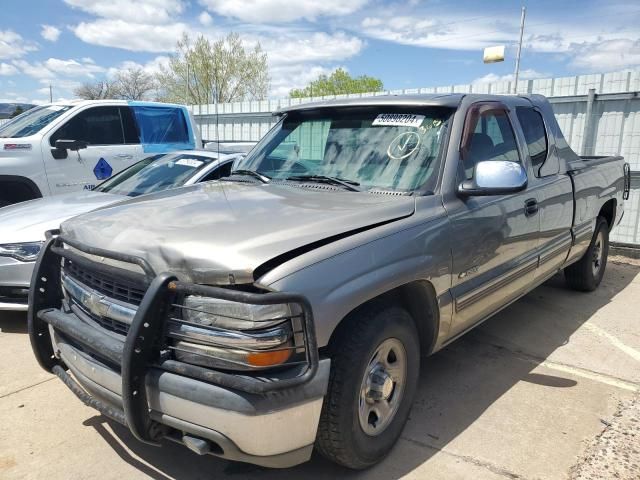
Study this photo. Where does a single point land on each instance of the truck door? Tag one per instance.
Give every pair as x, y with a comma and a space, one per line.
494, 237
113, 144
552, 189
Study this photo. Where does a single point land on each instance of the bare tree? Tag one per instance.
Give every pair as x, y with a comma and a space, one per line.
225, 70
100, 90
134, 84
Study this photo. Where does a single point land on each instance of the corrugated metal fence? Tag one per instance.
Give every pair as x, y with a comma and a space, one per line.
599, 115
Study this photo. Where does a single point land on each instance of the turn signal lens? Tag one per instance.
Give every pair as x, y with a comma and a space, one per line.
268, 358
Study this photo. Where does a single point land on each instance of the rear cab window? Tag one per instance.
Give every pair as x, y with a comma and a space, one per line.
162, 127
535, 135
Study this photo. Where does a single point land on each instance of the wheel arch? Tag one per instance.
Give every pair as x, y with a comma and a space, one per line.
14, 189
418, 298
608, 211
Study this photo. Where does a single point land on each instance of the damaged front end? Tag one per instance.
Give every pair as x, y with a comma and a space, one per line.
222, 370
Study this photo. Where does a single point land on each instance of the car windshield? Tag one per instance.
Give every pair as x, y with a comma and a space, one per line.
32, 121
375, 148
155, 173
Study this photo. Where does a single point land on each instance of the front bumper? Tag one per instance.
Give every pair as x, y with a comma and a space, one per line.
15, 277
267, 420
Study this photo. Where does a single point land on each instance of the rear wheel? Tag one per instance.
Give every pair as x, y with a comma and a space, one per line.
586, 274
375, 365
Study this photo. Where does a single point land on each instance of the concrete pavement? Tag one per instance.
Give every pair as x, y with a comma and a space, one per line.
547, 389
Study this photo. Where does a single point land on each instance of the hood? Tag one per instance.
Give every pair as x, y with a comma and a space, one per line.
27, 221
220, 232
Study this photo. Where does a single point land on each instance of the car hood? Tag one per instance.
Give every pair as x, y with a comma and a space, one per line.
27, 221
220, 232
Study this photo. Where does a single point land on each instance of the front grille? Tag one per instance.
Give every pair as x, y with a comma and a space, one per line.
109, 286
107, 323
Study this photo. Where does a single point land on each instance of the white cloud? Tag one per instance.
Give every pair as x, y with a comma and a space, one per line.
297, 56
54, 67
13, 97
286, 77
275, 11
205, 19
12, 45
36, 70
291, 47
72, 68
130, 36
151, 11
527, 74
152, 67
438, 32
7, 69
607, 55
50, 33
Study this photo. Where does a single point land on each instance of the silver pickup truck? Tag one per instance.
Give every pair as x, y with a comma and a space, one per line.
287, 306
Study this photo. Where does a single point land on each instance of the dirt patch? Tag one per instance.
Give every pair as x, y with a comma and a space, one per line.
620, 259
615, 453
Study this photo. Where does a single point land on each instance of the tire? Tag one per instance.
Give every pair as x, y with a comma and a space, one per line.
376, 338
586, 274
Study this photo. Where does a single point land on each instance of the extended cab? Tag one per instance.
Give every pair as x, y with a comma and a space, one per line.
288, 306
71, 146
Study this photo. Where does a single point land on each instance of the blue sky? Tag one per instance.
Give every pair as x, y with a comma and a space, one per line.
407, 44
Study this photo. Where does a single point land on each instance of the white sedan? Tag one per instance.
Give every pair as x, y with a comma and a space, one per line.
22, 225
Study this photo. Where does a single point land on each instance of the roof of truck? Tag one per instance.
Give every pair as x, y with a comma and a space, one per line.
433, 99
79, 102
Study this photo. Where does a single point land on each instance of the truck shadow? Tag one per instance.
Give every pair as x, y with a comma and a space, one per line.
457, 386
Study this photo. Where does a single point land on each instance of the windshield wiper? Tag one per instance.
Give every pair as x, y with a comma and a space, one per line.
351, 185
251, 173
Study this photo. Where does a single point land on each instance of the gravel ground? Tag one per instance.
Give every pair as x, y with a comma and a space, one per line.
615, 453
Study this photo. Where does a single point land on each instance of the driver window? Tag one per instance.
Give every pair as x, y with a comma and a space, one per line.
96, 126
492, 139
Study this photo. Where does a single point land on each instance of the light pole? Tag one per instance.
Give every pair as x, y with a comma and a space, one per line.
517, 72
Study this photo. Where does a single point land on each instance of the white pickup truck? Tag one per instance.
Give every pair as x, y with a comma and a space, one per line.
70, 146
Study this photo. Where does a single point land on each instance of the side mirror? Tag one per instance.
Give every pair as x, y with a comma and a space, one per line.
60, 150
495, 178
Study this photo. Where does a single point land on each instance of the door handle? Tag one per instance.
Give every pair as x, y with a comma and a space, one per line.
124, 155
530, 207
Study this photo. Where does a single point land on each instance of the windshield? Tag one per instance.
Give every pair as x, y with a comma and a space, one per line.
377, 148
32, 121
155, 173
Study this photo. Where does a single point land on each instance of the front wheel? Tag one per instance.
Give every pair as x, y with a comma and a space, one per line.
375, 364
586, 274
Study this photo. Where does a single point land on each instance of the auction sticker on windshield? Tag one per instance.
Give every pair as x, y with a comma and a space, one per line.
189, 162
398, 120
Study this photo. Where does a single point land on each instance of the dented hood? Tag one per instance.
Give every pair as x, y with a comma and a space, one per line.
207, 232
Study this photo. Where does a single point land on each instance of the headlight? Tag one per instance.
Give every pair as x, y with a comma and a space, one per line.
236, 336
25, 252
238, 316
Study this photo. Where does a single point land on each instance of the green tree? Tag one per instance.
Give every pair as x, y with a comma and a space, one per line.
225, 70
17, 111
338, 83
